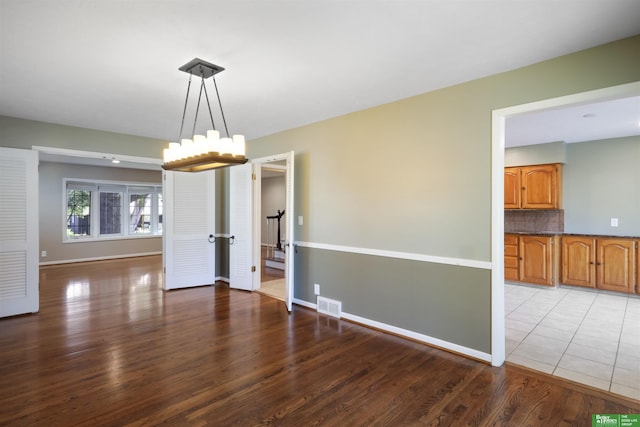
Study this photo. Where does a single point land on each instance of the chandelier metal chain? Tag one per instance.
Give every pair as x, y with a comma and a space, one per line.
184, 111
224, 121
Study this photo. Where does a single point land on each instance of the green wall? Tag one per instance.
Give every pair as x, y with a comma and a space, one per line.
602, 181
222, 223
403, 293
540, 154
415, 176
20, 133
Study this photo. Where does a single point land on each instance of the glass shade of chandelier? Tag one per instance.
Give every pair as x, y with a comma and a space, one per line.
204, 152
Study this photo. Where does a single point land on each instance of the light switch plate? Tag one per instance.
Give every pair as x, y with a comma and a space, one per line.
300, 220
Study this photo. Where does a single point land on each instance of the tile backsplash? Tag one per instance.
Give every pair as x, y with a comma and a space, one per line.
533, 221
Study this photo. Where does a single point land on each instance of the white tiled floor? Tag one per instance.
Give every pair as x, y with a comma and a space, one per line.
591, 337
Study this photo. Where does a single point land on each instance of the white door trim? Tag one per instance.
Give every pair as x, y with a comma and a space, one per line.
289, 159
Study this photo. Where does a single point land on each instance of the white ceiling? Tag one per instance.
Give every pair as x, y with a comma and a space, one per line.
578, 123
113, 65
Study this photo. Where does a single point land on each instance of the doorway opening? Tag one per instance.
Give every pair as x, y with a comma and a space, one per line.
248, 223
272, 237
504, 295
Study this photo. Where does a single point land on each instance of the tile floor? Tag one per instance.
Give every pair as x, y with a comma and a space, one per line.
587, 336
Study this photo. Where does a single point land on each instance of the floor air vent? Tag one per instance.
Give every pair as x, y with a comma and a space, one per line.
329, 307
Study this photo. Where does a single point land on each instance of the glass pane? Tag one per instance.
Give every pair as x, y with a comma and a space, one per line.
78, 213
110, 213
140, 213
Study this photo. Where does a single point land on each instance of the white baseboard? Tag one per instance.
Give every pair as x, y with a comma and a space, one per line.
305, 303
426, 339
100, 258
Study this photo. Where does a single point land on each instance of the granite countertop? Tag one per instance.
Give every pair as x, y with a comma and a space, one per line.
556, 233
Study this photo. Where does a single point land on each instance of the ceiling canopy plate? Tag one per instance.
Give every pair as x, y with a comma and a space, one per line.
200, 68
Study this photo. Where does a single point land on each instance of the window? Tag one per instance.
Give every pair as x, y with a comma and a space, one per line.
96, 210
110, 213
78, 211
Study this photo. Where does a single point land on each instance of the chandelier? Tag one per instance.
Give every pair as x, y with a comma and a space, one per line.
204, 152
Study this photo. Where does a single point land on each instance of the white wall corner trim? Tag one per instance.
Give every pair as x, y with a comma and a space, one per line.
485, 265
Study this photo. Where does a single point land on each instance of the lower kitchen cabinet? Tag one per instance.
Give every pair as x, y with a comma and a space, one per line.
579, 261
511, 258
531, 259
615, 265
601, 263
538, 259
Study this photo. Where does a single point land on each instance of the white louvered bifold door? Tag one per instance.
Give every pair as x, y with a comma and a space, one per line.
241, 265
189, 229
18, 232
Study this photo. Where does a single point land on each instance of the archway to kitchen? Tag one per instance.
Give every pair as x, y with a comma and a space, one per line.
499, 121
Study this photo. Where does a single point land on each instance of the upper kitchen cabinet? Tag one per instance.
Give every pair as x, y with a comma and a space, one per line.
512, 188
533, 187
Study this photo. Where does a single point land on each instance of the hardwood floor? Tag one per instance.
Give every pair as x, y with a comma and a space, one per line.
109, 347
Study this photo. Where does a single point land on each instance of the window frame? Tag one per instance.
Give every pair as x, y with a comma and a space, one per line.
125, 188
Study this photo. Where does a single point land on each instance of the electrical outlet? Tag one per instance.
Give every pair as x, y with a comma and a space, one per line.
316, 289
300, 220
43, 254
614, 222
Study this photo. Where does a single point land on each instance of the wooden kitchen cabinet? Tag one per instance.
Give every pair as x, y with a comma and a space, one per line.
579, 261
601, 263
512, 188
616, 262
538, 259
533, 187
511, 258
531, 259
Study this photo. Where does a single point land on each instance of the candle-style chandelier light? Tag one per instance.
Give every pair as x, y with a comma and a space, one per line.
204, 152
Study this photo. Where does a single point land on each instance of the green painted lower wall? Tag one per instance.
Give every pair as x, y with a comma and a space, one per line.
447, 302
